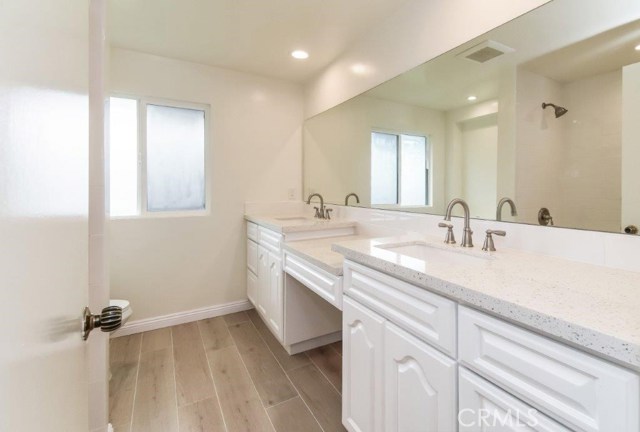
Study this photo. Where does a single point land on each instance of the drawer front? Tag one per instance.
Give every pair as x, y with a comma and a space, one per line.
484, 407
326, 285
269, 239
252, 256
252, 231
578, 390
428, 316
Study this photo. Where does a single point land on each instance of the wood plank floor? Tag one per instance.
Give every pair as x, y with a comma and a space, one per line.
222, 374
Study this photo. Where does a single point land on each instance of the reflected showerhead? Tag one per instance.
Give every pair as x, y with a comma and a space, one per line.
559, 111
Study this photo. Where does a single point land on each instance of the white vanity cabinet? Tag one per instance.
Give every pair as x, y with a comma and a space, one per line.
414, 361
264, 275
394, 381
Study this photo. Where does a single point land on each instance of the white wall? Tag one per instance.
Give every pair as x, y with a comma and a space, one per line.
166, 265
419, 31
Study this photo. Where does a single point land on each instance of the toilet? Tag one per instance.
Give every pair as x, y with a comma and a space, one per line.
125, 306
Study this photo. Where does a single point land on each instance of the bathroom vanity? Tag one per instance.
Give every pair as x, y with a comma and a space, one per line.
299, 298
444, 338
436, 342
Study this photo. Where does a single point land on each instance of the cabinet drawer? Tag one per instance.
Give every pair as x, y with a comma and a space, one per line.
252, 256
252, 231
269, 239
577, 389
428, 316
326, 285
484, 407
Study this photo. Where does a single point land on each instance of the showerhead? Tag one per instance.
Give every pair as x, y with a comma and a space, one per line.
559, 111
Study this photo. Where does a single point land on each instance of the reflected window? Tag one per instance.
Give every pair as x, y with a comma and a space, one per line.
400, 165
159, 167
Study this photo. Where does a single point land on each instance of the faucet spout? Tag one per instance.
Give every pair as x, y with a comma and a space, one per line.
352, 194
467, 240
501, 203
320, 212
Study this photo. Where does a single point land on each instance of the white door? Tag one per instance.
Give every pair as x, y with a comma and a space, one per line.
44, 115
263, 281
420, 385
362, 338
276, 296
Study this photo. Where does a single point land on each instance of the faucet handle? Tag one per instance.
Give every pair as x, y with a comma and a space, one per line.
328, 213
317, 216
449, 239
488, 245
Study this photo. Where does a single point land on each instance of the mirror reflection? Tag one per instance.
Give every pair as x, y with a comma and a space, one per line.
537, 121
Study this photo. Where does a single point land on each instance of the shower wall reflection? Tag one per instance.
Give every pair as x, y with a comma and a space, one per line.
487, 135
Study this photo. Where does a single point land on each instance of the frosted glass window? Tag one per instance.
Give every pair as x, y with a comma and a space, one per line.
123, 157
175, 158
413, 171
384, 168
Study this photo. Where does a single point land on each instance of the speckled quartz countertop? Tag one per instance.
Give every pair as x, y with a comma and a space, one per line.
591, 307
291, 224
318, 252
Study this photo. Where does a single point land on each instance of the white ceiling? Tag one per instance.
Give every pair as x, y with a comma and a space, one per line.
254, 36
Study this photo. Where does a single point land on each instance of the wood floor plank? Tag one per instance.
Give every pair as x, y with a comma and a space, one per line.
156, 339
236, 318
327, 359
265, 371
202, 416
241, 405
124, 354
215, 334
193, 380
337, 346
287, 361
323, 400
155, 402
293, 415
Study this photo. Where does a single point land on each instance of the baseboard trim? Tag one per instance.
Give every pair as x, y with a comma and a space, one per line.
154, 323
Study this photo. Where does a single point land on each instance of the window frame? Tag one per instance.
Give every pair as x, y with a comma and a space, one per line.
429, 174
141, 104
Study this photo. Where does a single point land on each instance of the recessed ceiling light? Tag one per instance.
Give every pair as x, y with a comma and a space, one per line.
299, 54
471, 98
637, 48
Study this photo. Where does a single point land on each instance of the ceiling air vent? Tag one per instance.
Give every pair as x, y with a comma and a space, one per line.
485, 51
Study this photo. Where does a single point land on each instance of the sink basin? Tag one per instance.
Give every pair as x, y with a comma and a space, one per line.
432, 254
293, 219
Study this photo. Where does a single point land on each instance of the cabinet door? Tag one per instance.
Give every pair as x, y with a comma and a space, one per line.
252, 256
252, 287
420, 385
362, 337
263, 281
276, 295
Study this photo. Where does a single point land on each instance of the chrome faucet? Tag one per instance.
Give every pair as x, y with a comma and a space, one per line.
502, 202
467, 240
321, 212
352, 194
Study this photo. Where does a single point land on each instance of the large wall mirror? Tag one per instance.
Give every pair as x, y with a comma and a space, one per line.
544, 110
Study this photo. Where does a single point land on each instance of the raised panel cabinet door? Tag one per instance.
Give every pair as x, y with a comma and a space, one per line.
419, 385
252, 287
275, 310
252, 256
362, 339
484, 407
263, 297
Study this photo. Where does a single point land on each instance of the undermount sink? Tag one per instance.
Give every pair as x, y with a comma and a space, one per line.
293, 219
432, 254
